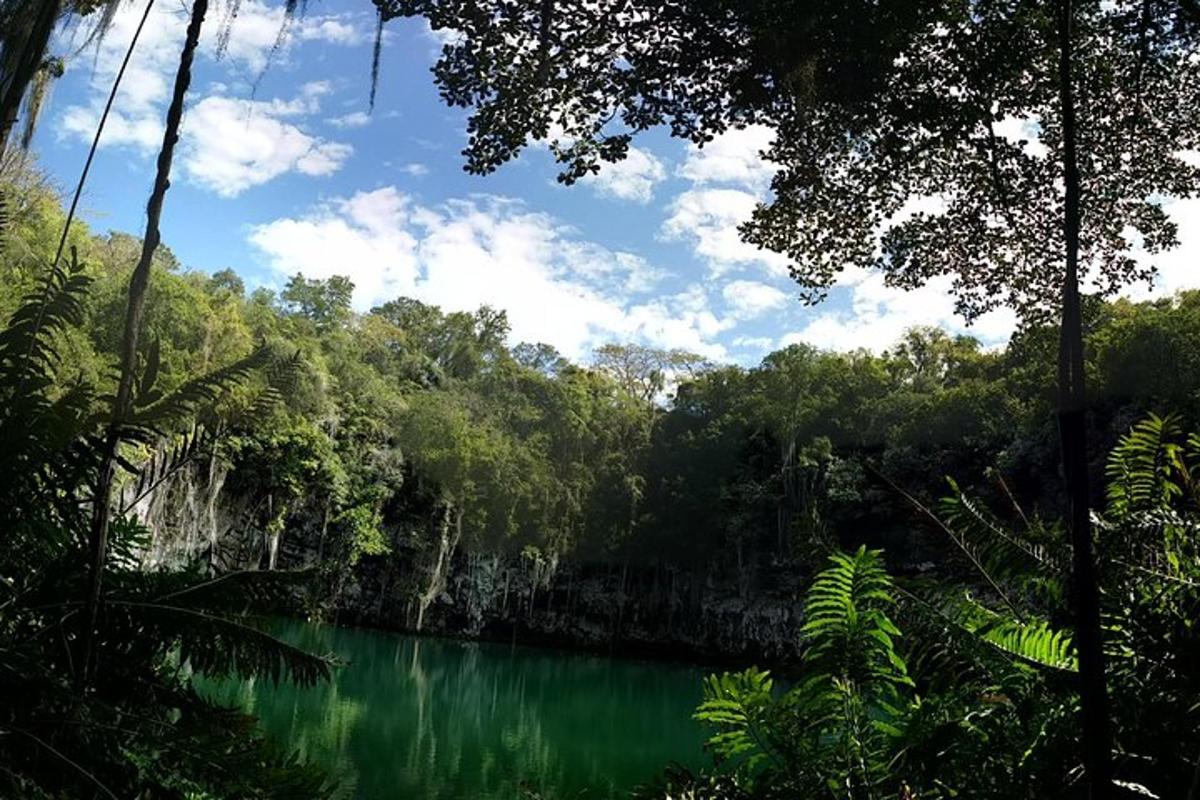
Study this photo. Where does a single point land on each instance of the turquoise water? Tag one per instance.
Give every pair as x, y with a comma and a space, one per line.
420, 718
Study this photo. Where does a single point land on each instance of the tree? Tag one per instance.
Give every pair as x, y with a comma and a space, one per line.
880, 109
127, 383
458, 344
26, 28
540, 356
229, 281
645, 372
326, 303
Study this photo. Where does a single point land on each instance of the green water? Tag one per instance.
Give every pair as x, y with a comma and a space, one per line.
421, 718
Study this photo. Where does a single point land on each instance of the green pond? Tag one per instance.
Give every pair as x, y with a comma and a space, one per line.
422, 718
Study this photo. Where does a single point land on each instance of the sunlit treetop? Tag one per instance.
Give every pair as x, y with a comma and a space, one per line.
899, 124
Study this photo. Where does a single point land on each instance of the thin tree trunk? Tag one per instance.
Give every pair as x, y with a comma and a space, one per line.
38, 39
324, 531
441, 567
138, 284
1194, 789
1097, 753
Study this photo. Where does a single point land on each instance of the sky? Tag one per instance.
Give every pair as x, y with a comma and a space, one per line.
283, 169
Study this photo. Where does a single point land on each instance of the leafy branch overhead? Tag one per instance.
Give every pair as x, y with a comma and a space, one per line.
935, 123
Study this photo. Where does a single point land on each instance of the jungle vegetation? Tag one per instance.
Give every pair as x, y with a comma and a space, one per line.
367, 419
118, 365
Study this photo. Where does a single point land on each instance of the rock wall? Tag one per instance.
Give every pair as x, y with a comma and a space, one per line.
433, 583
655, 609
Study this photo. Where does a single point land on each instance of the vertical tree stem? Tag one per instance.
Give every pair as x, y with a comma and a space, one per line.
87, 164
38, 39
1093, 692
138, 284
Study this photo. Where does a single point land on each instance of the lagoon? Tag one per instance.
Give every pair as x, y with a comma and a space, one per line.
437, 719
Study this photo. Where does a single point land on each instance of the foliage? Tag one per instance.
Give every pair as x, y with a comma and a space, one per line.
136, 725
879, 109
972, 704
730, 467
827, 735
351, 435
887, 140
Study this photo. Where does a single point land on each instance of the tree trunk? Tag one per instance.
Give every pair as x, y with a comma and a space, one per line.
1097, 753
1194, 789
37, 39
139, 282
324, 532
437, 580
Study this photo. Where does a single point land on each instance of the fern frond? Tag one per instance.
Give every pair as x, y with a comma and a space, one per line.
1142, 467
168, 461
1033, 641
955, 538
6, 214
848, 631
27, 353
1002, 548
156, 412
221, 646
737, 705
233, 592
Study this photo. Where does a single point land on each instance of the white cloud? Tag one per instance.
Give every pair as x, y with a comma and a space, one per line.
255, 33
1177, 269
728, 180
708, 218
878, 315
607, 269
415, 169
138, 116
555, 287
684, 320
732, 157
632, 178
440, 36
1025, 131
756, 343
332, 29
231, 145
355, 119
751, 299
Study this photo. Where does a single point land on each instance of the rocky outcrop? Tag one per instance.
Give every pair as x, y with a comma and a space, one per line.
649, 609
433, 582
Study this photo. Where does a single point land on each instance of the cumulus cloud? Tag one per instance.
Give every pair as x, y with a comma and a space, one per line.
632, 178
757, 344
733, 157
750, 299
556, 287
440, 37
708, 219
1177, 269
876, 315
728, 179
864, 312
1025, 131
137, 119
232, 145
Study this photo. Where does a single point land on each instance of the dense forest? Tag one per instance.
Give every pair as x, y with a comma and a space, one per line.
406, 420
974, 568
415, 446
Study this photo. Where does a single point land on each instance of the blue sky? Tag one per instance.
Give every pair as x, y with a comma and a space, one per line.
295, 176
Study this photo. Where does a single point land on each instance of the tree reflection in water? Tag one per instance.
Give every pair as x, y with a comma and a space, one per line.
428, 718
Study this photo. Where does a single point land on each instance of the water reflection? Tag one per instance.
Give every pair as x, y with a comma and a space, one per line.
427, 718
